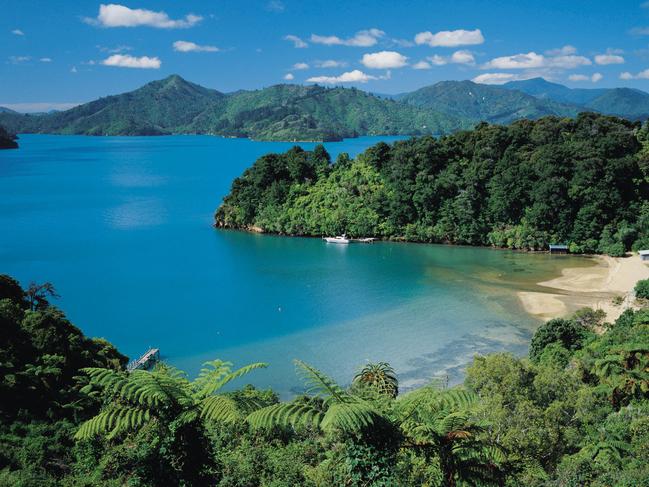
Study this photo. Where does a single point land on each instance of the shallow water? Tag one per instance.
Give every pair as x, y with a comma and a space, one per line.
122, 227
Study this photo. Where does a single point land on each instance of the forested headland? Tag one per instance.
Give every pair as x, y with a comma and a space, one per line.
573, 413
581, 181
7, 140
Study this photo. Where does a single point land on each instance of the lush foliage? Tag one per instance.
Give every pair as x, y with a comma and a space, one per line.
642, 289
582, 181
281, 112
577, 414
7, 140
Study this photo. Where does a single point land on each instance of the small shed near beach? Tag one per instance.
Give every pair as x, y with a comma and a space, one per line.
644, 255
558, 249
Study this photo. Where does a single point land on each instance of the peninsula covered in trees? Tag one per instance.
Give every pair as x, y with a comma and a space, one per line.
7, 140
575, 413
582, 181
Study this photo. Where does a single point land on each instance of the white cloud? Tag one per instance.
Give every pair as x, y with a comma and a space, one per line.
562, 51
641, 75
114, 50
500, 78
462, 57
438, 60
299, 66
297, 42
275, 6
533, 60
384, 60
74, 69
517, 61
421, 65
186, 46
45, 59
355, 76
113, 15
639, 31
596, 77
289, 77
330, 63
363, 38
609, 59
19, 59
126, 61
450, 38
578, 77
17, 32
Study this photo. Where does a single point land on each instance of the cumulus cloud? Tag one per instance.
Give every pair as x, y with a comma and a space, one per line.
384, 60
500, 78
450, 38
299, 66
641, 75
355, 76
438, 60
126, 61
533, 60
114, 15
297, 42
17, 32
289, 77
186, 46
330, 63
363, 38
604, 59
462, 57
594, 78
562, 51
421, 65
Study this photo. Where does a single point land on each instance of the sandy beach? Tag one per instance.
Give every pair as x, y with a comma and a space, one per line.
595, 286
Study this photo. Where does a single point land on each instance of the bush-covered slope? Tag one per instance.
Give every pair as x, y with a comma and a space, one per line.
484, 103
582, 181
282, 112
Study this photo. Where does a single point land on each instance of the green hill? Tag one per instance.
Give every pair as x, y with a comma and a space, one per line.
478, 102
623, 102
282, 112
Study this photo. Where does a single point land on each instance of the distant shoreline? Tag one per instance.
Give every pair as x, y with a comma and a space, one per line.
593, 287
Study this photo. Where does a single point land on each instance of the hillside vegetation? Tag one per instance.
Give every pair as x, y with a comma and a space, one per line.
582, 181
575, 414
7, 140
282, 112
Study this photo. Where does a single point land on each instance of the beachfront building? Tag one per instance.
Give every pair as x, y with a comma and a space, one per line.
644, 255
558, 249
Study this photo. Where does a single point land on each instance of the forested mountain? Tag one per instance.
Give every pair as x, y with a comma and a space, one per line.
624, 102
281, 112
582, 181
7, 140
484, 103
576, 413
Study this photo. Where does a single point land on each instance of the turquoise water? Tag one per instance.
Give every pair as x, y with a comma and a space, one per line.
122, 227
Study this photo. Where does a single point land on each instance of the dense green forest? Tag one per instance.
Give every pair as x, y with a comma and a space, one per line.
7, 140
575, 413
582, 181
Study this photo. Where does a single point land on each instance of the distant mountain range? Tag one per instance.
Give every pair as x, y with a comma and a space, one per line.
293, 112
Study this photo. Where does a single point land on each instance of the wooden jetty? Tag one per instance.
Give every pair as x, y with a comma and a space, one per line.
146, 361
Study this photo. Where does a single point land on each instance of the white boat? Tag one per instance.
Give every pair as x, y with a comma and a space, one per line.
341, 239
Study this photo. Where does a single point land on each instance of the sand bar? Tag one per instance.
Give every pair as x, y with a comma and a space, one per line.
595, 286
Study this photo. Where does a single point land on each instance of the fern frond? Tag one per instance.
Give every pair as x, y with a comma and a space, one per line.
293, 414
114, 420
319, 384
348, 417
217, 373
220, 408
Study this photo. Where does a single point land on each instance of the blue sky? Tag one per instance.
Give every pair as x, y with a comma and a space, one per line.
57, 53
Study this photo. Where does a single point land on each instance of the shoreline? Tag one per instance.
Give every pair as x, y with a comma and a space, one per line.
594, 286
